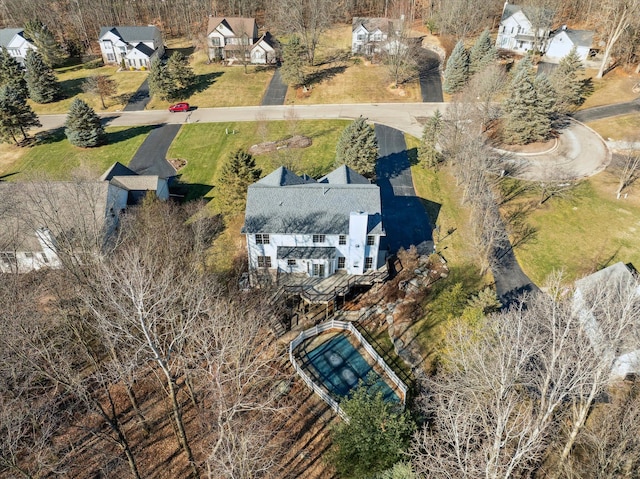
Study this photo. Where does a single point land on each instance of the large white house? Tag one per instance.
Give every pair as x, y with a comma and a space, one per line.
16, 43
135, 47
295, 224
563, 40
370, 35
236, 38
620, 284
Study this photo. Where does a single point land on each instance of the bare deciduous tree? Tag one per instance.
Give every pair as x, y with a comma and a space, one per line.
627, 169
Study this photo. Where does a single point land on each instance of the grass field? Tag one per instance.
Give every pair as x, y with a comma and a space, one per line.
583, 233
205, 145
220, 86
71, 80
54, 157
615, 87
618, 128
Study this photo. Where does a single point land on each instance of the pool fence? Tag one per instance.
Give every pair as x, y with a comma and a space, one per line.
344, 326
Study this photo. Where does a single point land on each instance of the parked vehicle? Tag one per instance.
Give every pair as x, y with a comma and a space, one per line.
179, 107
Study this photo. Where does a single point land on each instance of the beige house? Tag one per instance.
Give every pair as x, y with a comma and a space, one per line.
236, 39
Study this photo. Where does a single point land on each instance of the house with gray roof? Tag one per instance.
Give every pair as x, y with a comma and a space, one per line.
598, 300
295, 224
564, 39
370, 35
236, 39
14, 40
133, 47
135, 184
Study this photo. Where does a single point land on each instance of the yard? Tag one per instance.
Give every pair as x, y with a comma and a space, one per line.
618, 128
71, 79
615, 87
54, 157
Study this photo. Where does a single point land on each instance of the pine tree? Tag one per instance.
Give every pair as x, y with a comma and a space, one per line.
160, 84
482, 54
16, 116
525, 120
237, 173
456, 72
547, 96
428, 155
83, 127
180, 75
41, 80
11, 73
567, 82
292, 69
358, 148
44, 41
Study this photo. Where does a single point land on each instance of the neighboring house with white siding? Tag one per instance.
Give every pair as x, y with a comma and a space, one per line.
236, 38
370, 35
295, 224
135, 47
565, 39
16, 43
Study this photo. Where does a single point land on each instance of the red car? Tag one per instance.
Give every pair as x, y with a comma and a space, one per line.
179, 107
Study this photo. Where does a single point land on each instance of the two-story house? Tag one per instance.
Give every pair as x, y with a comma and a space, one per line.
14, 40
295, 224
517, 32
132, 47
369, 35
236, 38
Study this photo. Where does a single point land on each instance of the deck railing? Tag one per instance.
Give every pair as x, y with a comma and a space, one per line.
345, 326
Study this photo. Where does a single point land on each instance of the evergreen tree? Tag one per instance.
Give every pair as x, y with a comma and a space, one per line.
292, 69
526, 120
547, 97
237, 173
41, 80
482, 54
159, 82
44, 41
374, 439
15, 115
83, 127
11, 73
456, 72
180, 75
358, 148
428, 155
567, 82
524, 68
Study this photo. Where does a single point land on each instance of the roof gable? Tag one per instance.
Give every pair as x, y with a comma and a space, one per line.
282, 177
343, 175
117, 169
7, 34
236, 25
132, 35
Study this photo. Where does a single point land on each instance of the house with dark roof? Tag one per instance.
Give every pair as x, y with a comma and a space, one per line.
236, 39
132, 47
596, 298
14, 40
295, 224
563, 40
370, 35
135, 184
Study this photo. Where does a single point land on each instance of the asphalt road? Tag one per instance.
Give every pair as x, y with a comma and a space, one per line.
140, 98
403, 215
429, 74
276, 91
599, 112
150, 159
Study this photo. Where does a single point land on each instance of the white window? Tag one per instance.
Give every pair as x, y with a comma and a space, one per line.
368, 263
319, 238
264, 261
291, 262
371, 240
44, 258
215, 42
341, 262
262, 238
360, 37
111, 57
342, 239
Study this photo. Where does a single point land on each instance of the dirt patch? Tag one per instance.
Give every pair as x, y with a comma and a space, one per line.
178, 163
398, 91
296, 141
537, 147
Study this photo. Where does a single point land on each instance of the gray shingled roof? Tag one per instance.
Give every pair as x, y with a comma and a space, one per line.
117, 169
136, 183
306, 252
581, 38
7, 34
282, 204
148, 51
510, 9
343, 175
132, 34
384, 24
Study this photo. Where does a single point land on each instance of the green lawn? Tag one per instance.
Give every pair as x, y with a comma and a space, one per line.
71, 79
618, 128
204, 145
583, 233
54, 157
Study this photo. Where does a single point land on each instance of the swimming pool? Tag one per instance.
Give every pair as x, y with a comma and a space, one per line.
339, 366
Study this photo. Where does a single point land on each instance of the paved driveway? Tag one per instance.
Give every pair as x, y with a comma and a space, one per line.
276, 91
599, 112
150, 159
404, 218
429, 72
140, 98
